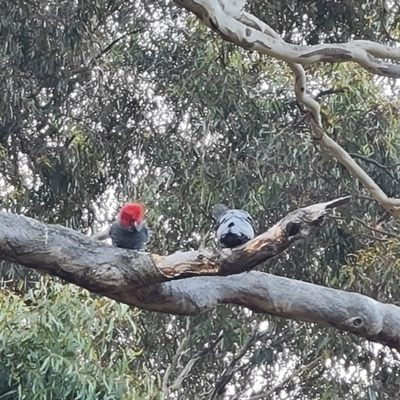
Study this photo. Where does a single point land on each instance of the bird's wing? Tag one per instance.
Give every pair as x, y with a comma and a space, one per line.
238, 222
245, 216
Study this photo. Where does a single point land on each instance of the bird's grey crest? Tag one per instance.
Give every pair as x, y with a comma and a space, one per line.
218, 211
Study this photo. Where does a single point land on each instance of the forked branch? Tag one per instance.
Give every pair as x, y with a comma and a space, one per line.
111, 271
188, 283
233, 24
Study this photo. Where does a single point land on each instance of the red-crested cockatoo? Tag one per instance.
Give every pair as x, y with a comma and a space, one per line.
128, 231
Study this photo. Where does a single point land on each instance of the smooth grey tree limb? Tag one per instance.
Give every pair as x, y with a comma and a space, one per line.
235, 25
188, 283
279, 296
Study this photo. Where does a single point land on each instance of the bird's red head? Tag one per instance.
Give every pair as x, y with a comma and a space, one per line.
131, 214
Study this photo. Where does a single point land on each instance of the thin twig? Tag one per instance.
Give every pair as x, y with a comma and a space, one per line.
383, 22
295, 373
379, 165
392, 205
393, 235
229, 371
186, 371
329, 91
114, 42
175, 358
359, 235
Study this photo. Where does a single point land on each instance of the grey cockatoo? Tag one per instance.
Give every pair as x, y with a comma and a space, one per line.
232, 227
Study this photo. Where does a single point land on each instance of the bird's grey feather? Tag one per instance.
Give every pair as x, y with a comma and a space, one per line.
218, 211
130, 237
232, 227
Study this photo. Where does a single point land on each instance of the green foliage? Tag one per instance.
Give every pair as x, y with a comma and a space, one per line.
174, 116
57, 342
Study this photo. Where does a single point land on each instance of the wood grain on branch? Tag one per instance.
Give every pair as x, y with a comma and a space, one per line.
172, 284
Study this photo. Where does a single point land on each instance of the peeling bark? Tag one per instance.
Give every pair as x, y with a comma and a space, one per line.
188, 283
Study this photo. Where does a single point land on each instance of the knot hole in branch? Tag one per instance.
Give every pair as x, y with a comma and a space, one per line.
292, 228
356, 322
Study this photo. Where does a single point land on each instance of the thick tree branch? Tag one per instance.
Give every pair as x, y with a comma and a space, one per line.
227, 22
233, 24
157, 283
284, 297
390, 204
143, 280
98, 267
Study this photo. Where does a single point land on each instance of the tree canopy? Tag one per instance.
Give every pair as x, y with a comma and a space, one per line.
109, 101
